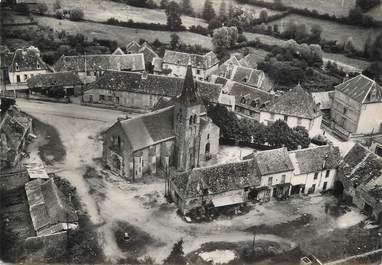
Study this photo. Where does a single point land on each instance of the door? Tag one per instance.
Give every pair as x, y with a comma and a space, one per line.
313, 188
18, 79
325, 186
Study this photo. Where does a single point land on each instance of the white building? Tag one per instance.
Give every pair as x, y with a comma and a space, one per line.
315, 169
296, 108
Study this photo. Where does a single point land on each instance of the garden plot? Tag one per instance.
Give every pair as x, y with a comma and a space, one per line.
332, 30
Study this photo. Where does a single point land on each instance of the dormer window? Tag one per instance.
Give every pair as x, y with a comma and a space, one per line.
17, 66
38, 66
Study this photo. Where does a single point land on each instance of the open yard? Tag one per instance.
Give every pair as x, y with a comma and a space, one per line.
293, 227
339, 8
122, 35
332, 30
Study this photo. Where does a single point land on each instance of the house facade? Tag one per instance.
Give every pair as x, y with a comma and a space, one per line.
296, 108
178, 136
24, 64
354, 102
315, 169
175, 64
376, 146
142, 90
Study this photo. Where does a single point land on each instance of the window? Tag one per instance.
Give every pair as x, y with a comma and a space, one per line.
315, 175
190, 121
198, 71
299, 121
345, 111
327, 173
208, 136
109, 98
38, 66
101, 97
325, 186
283, 178
18, 79
286, 118
17, 67
25, 77
270, 181
117, 99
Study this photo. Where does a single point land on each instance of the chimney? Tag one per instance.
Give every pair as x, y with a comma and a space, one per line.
324, 163
144, 75
299, 147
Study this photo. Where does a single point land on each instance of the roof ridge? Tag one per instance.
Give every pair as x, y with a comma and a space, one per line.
222, 164
146, 114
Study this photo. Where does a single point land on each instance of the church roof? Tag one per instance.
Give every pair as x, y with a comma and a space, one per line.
359, 87
189, 94
148, 129
296, 102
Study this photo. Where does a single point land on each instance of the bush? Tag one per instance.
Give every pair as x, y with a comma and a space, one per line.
42, 8
76, 14
59, 14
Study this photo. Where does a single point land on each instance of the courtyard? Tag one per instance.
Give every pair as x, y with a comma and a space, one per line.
319, 225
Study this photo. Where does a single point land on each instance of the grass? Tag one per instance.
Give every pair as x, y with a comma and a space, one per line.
339, 8
122, 35
332, 30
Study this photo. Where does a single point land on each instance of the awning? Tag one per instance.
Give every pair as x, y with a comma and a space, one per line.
227, 200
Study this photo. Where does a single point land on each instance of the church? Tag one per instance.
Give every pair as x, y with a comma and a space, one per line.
178, 136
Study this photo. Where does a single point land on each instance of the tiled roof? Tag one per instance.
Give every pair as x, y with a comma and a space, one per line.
53, 80
25, 60
148, 129
129, 62
248, 76
198, 61
359, 87
251, 60
48, 206
157, 63
152, 84
118, 51
217, 179
148, 54
273, 161
249, 95
296, 102
132, 47
315, 159
324, 98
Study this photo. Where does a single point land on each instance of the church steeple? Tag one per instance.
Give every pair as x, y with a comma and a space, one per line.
189, 95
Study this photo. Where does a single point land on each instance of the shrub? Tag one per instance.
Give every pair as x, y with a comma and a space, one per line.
76, 14
59, 14
42, 8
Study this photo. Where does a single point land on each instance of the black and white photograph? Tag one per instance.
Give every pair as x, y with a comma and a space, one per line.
191, 132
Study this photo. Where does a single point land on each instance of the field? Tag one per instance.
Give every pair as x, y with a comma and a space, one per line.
339, 8
332, 30
122, 35
101, 10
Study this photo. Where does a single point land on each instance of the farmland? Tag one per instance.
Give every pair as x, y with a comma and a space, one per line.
339, 8
332, 30
122, 35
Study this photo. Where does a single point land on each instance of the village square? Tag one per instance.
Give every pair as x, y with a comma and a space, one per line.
164, 151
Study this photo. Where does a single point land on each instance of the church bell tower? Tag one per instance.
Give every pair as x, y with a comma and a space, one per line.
188, 108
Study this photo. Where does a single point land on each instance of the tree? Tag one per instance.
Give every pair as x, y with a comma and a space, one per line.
349, 46
366, 5
175, 41
224, 37
230, 10
263, 15
223, 9
174, 22
176, 256
214, 23
57, 5
355, 16
164, 4
279, 134
226, 120
315, 32
187, 8
374, 71
42, 8
208, 11
76, 14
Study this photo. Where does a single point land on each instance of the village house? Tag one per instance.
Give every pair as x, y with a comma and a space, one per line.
315, 169
56, 84
22, 64
51, 212
247, 76
175, 64
143, 90
133, 47
180, 135
360, 178
91, 67
15, 128
297, 108
212, 187
355, 101
276, 170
